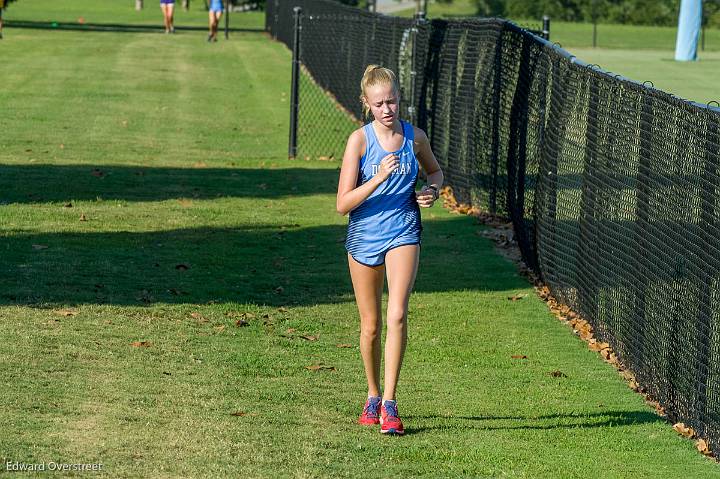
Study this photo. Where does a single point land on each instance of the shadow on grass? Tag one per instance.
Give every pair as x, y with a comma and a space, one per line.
551, 421
63, 183
271, 264
110, 27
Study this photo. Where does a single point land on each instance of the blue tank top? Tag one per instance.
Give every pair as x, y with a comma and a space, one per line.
390, 216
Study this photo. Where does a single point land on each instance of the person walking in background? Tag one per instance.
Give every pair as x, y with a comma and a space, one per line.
214, 14
2, 7
377, 188
168, 9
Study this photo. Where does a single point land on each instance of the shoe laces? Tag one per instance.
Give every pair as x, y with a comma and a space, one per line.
391, 409
371, 407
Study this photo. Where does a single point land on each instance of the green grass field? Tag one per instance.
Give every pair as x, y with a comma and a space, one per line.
121, 12
637, 52
148, 210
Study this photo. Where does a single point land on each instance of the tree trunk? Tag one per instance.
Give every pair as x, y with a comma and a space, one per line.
186, 4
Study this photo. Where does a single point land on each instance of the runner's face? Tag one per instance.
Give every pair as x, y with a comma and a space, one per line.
384, 103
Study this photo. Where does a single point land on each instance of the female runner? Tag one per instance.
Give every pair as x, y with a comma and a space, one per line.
168, 9
377, 187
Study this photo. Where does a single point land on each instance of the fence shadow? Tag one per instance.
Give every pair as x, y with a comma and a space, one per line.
281, 264
63, 183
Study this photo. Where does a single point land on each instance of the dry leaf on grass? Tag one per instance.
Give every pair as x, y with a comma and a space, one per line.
344, 345
558, 374
241, 323
309, 338
141, 344
320, 367
684, 430
516, 297
703, 447
65, 312
519, 356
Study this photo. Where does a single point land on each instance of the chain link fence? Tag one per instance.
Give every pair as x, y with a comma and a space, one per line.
613, 188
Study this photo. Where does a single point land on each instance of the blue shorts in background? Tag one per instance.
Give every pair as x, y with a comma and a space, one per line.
216, 6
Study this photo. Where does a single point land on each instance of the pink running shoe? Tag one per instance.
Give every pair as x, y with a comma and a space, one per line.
390, 423
370, 415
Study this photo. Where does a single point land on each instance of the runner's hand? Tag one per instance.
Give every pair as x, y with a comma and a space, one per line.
425, 197
387, 165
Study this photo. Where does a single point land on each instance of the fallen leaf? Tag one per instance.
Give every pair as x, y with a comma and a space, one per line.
40, 246
238, 413
309, 338
516, 297
200, 164
283, 309
703, 447
684, 430
519, 356
319, 367
344, 345
83, 217
240, 323
66, 312
220, 328
291, 330
558, 374
141, 344
68, 205
185, 203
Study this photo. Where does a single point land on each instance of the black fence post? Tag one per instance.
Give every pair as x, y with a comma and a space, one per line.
643, 218
292, 150
546, 27
227, 19
705, 323
275, 17
412, 109
495, 144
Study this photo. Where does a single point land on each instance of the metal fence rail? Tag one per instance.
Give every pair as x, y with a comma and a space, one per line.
613, 188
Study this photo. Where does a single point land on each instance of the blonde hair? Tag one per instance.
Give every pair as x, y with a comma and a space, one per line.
376, 75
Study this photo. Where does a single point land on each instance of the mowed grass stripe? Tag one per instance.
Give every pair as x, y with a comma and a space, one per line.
262, 243
229, 119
